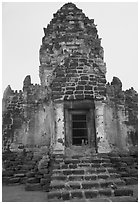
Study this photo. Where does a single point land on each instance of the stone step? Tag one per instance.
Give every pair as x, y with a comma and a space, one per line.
88, 194
77, 165
86, 184
83, 170
79, 177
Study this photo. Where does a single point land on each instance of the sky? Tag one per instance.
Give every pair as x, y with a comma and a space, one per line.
22, 32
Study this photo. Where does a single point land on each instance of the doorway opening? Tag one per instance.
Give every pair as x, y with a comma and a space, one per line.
79, 129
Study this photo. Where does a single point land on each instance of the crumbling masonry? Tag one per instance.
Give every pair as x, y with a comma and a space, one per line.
73, 105
72, 74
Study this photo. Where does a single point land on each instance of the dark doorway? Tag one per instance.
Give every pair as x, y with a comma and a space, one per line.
79, 129
80, 124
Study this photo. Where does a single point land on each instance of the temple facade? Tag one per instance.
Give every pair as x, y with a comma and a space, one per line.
73, 106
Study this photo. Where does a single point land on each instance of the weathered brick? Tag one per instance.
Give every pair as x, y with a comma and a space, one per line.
82, 82
14, 180
101, 170
105, 192
88, 96
95, 165
65, 196
33, 180
103, 176
78, 171
79, 97
70, 88
79, 87
76, 194
75, 177
92, 177
123, 192
130, 180
67, 172
60, 177
78, 92
84, 77
91, 194
88, 87
73, 166
57, 186
74, 185
52, 195
71, 161
69, 92
105, 184
89, 185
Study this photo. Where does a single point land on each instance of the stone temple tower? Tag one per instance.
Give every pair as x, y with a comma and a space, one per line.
73, 107
72, 66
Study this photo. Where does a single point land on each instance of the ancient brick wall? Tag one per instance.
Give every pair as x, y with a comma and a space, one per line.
71, 57
72, 68
121, 115
28, 116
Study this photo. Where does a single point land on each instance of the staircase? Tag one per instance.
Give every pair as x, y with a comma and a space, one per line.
96, 178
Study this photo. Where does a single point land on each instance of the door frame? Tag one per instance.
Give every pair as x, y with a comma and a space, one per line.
87, 107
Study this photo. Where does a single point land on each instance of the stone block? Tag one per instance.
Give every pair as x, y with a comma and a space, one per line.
80, 87
91, 171
78, 92
88, 96
70, 88
69, 92
30, 174
92, 177
74, 185
112, 170
88, 92
79, 97
14, 180
114, 175
73, 166
57, 186
130, 180
88, 87
78, 171
76, 194
59, 178
91, 194
82, 82
105, 192
33, 180
105, 184
96, 165
65, 196
123, 199
123, 192
101, 170
103, 176
19, 175
89, 185
44, 181
84, 77
75, 177
67, 172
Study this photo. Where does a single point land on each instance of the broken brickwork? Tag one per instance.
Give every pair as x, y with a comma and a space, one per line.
72, 68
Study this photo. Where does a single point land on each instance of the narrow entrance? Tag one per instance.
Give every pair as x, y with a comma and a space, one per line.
79, 129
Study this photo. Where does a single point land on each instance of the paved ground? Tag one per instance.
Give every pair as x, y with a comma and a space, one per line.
18, 194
